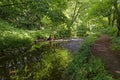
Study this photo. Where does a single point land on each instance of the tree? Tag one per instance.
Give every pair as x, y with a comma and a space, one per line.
30, 13
109, 9
117, 13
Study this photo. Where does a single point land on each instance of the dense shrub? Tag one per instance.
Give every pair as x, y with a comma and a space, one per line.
82, 31
112, 31
116, 43
11, 37
62, 33
44, 64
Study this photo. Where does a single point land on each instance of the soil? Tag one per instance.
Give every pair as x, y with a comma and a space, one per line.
102, 49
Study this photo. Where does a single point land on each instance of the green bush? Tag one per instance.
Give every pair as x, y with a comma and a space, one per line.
62, 34
14, 39
82, 31
11, 37
112, 31
38, 34
44, 64
116, 43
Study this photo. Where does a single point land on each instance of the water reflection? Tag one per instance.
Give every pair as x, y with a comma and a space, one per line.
43, 62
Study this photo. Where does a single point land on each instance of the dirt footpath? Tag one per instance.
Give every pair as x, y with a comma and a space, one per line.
102, 49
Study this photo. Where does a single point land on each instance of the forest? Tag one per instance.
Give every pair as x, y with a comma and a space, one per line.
59, 39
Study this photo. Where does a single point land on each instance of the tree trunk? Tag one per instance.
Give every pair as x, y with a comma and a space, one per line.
109, 20
74, 17
113, 19
117, 16
118, 26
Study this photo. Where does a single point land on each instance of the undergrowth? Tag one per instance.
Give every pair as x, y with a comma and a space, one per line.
12, 38
44, 64
116, 43
86, 67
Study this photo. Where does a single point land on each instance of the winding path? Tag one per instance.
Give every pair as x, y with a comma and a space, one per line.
102, 49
